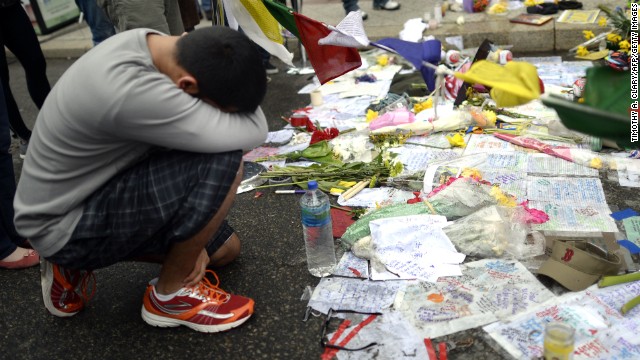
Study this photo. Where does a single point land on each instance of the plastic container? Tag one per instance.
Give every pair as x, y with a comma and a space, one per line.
559, 341
318, 232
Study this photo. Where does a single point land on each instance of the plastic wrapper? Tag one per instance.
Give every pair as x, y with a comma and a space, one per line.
464, 196
496, 232
459, 197
360, 228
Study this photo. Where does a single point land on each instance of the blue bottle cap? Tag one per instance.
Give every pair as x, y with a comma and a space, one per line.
312, 184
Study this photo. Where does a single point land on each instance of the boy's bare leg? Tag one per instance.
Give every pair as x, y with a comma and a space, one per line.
181, 258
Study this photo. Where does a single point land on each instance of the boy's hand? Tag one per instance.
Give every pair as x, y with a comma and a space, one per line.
198, 271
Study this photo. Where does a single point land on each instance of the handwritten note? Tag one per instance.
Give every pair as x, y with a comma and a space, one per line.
543, 164
602, 332
566, 191
354, 294
569, 217
415, 247
487, 291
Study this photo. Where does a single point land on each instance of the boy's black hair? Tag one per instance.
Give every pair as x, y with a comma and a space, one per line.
226, 65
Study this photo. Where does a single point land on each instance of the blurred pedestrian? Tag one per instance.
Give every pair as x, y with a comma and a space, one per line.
160, 15
12, 256
99, 24
352, 5
17, 35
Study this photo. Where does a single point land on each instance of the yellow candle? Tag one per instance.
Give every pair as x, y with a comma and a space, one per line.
558, 341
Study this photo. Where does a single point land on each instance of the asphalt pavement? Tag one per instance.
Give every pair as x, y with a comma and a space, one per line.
271, 269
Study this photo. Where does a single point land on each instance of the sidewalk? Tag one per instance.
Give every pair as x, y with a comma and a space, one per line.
75, 40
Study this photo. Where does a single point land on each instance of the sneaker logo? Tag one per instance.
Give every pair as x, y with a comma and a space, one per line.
215, 315
182, 304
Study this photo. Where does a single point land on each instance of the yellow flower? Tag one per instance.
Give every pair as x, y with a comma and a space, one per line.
588, 34
528, 3
602, 22
502, 198
582, 51
336, 191
596, 163
471, 173
624, 45
423, 105
490, 116
614, 38
383, 59
456, 140
371, 115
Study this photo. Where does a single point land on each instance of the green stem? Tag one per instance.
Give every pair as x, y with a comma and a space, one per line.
618, 279
425, 145
274, 185
630, 305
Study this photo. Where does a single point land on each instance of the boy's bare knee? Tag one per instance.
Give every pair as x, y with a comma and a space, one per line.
227, 252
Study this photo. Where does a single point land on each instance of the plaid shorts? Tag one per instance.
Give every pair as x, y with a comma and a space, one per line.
166, 198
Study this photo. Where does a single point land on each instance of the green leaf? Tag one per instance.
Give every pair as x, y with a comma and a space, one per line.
319, 149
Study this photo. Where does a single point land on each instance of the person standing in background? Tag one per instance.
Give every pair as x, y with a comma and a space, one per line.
12, 256
189, 13
160, 15
17, 35
100, 25
352, 5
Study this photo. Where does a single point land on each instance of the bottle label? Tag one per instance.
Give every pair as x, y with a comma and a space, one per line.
316, 216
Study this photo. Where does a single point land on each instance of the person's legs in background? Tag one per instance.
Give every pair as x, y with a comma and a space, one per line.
206, 7
11, 255
100, 25
352, 5
385, 5
18, 35
266, 61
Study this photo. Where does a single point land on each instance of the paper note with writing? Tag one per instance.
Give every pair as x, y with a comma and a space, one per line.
395, 338
543, 164
566, 191
571, 217
632, 228
354, 294
602, 332
400, 244
506, 161
348, 33
482, 143
628, 172
279, 137
415, 160
377, 196
352, 266
513, 183
260, 152
488, 290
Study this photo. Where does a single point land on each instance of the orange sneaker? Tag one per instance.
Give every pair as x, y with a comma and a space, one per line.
204, 308
59, 288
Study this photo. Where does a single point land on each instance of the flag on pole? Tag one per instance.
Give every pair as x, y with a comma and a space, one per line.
258, 24
328, 61
416, 54
515, 83
283, 15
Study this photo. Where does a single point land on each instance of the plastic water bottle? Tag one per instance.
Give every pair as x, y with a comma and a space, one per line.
318, 233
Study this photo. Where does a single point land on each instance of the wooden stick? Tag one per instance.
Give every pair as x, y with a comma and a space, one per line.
354, 190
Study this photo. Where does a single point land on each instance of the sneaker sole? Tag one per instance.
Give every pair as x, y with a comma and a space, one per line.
272, 71
163, 321
46, 280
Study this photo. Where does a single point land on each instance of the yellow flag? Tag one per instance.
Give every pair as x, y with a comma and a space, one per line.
267, 23
513, 84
